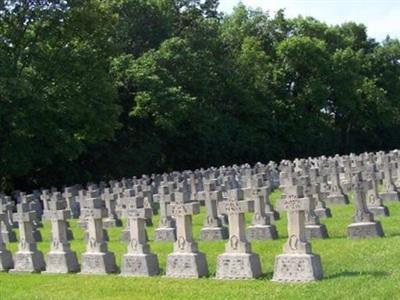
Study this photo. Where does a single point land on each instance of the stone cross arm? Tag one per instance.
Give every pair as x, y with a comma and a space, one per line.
293, 203
236, 207
183, 209
139, 213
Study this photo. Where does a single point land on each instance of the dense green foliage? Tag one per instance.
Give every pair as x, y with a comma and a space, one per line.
353, 269
101, 89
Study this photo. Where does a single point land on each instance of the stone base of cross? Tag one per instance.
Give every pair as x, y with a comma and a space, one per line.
29, 262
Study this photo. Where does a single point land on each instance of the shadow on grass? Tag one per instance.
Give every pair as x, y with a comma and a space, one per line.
356, 274
266, 276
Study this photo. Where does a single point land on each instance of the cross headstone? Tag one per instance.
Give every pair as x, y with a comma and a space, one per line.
212, 226
238, 261
166, 229
261, 227
60, 259
139, 261
363, 225
390, 192
314, 229
7, 232
97, 259
374, 200
186, 260
70, 194
6, 260
336, 194
110, 200
28, 258
297, 263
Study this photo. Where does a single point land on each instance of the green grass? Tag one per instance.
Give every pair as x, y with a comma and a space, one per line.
353, 269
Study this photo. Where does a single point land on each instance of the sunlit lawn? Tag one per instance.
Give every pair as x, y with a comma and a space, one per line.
353, 269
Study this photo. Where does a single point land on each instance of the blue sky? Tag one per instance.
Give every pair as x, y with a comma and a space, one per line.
380, 17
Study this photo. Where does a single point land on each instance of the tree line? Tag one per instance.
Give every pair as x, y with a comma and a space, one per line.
100, 89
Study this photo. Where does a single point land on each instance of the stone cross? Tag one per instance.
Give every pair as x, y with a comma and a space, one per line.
166, 230
336, 194
139, 261
261, 227
7, 232
390, 192
60, 259
374, 200
6, 260
238, 261
97, 259
110, 200
186, 260
297, 263
314, 229
28, 258
212, 226
69, 195
363, 221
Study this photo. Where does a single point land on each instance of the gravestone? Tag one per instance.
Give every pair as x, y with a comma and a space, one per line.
321, 210
390, 192
139, 261
297, 263
166, 229
261, 227
238, 261
60, 259
186, 261
70, 194
269, 209
7, 232
363, 225
6, 260
336, 194
97, 259
28, 258
314, 229
374, 200
110, 200
212, 227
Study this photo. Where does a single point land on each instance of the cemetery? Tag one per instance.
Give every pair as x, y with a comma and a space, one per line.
248, 229
199, 149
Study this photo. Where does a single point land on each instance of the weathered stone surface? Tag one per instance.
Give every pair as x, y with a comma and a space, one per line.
297, 263
28, 258
297, 268
212, 227
6, 260
214, 233
60, 259
98, 263
238, 266
145, 264
186, 265
317, 231
262, 232
166, 230
62, 262
186, 260
237, 249
365, 230
364, 225
29, 261
97, 259
138, 261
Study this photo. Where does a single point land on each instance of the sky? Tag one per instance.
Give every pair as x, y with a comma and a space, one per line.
382, 17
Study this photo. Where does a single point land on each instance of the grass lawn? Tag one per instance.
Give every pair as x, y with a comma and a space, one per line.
353, 269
